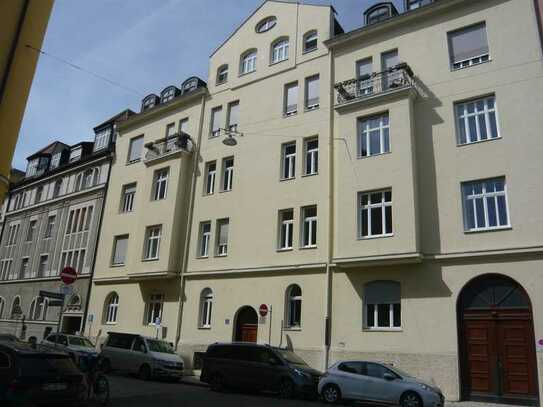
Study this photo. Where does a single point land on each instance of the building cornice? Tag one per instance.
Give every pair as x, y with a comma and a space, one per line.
309, 267
41, 279
384, 260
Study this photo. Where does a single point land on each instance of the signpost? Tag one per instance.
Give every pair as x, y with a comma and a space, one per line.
68, 275
263, 310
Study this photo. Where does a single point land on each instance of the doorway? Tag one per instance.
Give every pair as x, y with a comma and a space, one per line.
71, 324
497, 345
246, 325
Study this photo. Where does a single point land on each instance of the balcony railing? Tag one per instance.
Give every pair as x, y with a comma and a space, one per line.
168, 145
401, 76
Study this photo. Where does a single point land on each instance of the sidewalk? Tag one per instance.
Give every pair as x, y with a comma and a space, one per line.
193, 381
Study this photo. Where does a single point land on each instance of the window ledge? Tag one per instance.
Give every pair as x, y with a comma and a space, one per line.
153, 259
311, 109
362, 157
478, 141
125, 213
277, 62
226, 190
376, 237
308, 247
292, 329
110, 323
286, 179
117, 265
292, 114
246, 73
453, 69
382, 329
133, 161
221, 255
202, 257
310, 175
483, 230
286, 249
205, 328
308, 51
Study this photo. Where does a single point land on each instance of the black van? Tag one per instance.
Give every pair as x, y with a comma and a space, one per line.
258, 367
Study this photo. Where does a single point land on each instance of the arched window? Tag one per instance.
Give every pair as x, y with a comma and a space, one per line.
87, 179
56, 188
45, 309
2, 306
222, 74
95, 176
266, 24
310, 41
248, 62
15, 308
168, 94
382, 305
36, 309
78, 182
75, 300
111, 308
206, 306
279, 51
149, 102
294, 306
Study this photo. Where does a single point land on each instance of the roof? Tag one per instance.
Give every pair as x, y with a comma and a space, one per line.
125, 114
48, 149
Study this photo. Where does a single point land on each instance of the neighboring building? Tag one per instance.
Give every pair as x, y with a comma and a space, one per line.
14, 176
22, 23
52, 221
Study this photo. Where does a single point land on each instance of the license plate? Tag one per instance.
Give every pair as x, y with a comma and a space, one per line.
55, 386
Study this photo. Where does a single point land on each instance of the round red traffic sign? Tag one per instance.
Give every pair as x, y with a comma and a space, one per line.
68, 275
263, 310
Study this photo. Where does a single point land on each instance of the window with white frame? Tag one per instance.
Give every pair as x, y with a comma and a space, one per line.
311, 147
382, 305
135, 149
211, 174
216, 118
222, 74
43, 265
128, 198
120, 245
248, 62
205, 239
79, 220
160, 185
152, 242
375, 214
13, 231
75, 154
312, 92
73, 258
485, 204
294, 306
291, 99
309, 226
310, 41
167, 95
184, 125
286, 229
279, 50
477, 120
111, 308
233, 116
26, 271
154, 309
206, 307
5, 268
222, 237
15, 308
102, 139
39, 194
364, 76
414, 4
88, 178
56, 188
266, 24
32, 167
468, 46
55, 160
78, 184
373, 136
37, 309
228, 174
288, 151
170, 137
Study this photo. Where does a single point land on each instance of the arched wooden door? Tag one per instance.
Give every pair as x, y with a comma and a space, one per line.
246, 327
497, 345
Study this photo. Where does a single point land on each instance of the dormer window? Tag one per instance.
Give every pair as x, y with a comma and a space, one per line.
380, 12
75, 154
248, 62
32, 168
149, 102
413, 4
55, 160
265, 25
167, 94
102, 139
190, 85
222, 74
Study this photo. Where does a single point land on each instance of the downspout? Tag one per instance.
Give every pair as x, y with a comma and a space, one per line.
184, 265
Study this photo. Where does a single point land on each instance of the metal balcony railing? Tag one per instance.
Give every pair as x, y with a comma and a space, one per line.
168, 145
401, 76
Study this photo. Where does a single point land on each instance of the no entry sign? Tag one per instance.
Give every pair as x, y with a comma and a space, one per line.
68, 275
263, 310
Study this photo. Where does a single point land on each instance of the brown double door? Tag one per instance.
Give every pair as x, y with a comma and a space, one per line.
499, 353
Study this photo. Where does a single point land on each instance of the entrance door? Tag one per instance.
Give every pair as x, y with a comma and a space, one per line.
498, 349
246, 325
71, 324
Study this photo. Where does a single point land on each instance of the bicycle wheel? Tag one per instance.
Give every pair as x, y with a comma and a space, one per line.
101, 390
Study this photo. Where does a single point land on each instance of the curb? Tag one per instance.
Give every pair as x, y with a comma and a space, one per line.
193, 381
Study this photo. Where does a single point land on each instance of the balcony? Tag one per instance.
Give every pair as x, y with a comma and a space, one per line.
371, 86
168, 147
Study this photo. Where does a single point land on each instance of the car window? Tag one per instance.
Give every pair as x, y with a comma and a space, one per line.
45, 365
261, 355
84, 342
120, 341
4, 361
62, 340
291, 357
351, 367
139, 345
376, 370
158, 346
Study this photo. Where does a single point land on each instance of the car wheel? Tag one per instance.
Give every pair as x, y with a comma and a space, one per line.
286, 389
144, 372
331, 394
411, 399
216, 382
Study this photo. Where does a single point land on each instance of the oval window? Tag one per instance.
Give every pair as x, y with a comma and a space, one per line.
265, 25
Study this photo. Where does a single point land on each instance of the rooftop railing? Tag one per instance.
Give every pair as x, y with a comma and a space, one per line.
168, 145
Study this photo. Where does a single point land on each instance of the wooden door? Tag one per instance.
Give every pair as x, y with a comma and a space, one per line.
248, 333
481, 366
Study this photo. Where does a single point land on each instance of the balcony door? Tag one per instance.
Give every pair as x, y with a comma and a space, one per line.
388, 61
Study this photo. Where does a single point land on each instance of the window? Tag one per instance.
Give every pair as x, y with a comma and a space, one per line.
88, 178
55, 160
310, 41
288, 151
364, 74
5, 268
476, 120
128, 197
75, 154
167, 95
154, 309
286, 229
42, 267
79, 220
25, 271
222, 237
39, 194
294, 306
206, 306
468, 46
184, 125
279, 50
309, 226
392, 78
73, 258
149, 102
2, 306
56, 188
112, 308
78, 184
351, 367
222, 74
205, 238
233, 116
373, 136
152, 242
248, 62
379, 13
36, 309
382, 301
102, 139
311, 147
120, 245
228, 174
32, 167
414, 4
135, 148
375, 214
211, 171
216, 118
291, 99
13, 231
160, 184
312, 92
16, 308
267, 24
485, 204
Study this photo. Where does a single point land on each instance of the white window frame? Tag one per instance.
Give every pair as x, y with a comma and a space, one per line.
221, 248
115, 243
312, 104
211, 175
292, 109
206, 308
364, 132
476, 60
75, 154
288, 161
26, 271
55, 160
155, 307
485, 196
102, 139
128, 197
391, 304
383, 204
312, 35
43, 265
311, 162
248, 62
463, 117
204, 239
227, 174
293, 302
286, 229
215, 125
309, 222
111, 309
131, 146
233, 119
5, 269
160, 184
152, 234
280, 50
222, 72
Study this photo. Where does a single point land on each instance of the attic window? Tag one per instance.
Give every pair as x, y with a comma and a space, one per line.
148, 102
55, 160
380, 12
102, 139
167, 95
189, 85
75, 154
265, 25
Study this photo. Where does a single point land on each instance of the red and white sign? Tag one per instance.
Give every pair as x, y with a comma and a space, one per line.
68, 275
263, 310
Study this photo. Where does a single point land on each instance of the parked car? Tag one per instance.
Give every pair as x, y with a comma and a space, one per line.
73, 345
9, 338
376, 383
147, 357
258, 367
34, 377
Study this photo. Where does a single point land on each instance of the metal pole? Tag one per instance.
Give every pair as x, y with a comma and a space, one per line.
269, 331
59, 321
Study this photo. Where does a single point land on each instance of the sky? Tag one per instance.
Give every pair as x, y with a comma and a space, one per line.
143, 45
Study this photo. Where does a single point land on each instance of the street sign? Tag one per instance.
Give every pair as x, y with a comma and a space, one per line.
49, 294
90, 317
56, 303
263, 310
68, 275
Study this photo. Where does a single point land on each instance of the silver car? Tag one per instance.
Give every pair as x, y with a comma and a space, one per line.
377, 383
73, 345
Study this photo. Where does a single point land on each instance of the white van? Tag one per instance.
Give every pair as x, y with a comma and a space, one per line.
147, 357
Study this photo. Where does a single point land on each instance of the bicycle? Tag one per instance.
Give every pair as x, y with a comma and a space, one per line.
97, 382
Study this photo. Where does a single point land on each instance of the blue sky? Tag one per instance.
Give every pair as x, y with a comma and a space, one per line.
142, 44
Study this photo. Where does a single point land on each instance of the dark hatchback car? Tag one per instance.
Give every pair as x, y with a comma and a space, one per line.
248, 366
32, 377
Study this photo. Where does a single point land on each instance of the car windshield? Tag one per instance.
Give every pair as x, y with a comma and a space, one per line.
84, 342
160, 346
291, 357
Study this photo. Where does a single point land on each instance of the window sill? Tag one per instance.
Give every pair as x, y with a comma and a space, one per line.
286, 179
152, 259
221, 83
110, 323
277, 62
221, 255
117, 265
133, 161
202, 257
311, 109
125, 213
286, 249
308, 51
483, 230
376, 236
205, 328
399, 329
206, 194
246, 73
361, 157
478, 141
453, 69
308, 247
310, 175
292, 329
291, 114
226, 190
